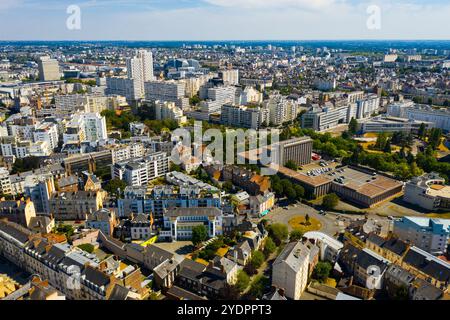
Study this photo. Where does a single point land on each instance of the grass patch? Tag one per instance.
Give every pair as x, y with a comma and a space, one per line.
299, 223
204, 262
221, 252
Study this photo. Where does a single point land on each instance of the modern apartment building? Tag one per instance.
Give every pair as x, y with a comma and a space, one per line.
245, 117
230, 77
140, 171
171, 91
128, 88
431, 235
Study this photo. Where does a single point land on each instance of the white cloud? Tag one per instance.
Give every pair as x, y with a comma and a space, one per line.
264, 4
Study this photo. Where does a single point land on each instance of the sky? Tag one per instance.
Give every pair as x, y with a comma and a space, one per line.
225, 19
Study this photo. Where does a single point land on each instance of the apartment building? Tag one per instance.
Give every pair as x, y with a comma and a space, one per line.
170, 91
75, 205
140, 171
242, 116
290, 270
178, 222
428, 234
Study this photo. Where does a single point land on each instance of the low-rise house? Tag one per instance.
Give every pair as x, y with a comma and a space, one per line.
226, 267
20, 211
154, 256
42, 224
366, 267
194, 277
141, 227
392, 249
329, 247
240, 253
103, 219
427, 267
166, 272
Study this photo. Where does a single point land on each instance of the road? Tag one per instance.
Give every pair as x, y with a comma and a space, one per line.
284, 214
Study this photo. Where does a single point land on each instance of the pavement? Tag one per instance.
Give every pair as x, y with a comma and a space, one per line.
284, 214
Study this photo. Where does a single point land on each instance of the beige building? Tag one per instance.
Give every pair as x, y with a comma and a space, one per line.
75, 205
290, 270
20, 211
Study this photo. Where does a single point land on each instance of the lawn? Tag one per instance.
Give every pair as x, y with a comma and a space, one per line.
221, 252
299, 223
204, 262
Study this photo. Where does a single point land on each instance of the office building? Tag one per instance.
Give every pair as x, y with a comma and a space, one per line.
429, 192
297, 150
48, 69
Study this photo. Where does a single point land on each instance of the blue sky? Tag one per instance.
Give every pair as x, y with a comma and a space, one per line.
224, 19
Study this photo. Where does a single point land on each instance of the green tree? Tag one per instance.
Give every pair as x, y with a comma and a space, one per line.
115, 187
330, 201
352, 126
269, 247
258, 286
257, 259
322, 271
278, 232
243, 280
387, 147
291, 165
299, 191
422, 130
295, 235
199, 234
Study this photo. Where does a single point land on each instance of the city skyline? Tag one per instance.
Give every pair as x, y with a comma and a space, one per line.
200, 20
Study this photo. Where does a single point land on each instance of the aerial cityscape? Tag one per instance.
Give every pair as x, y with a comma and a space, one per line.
224, 170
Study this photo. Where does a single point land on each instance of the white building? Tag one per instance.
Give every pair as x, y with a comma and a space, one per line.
291, 269
47, 132
128, 88
328, 246
178, 222
171, 91
431, 235
139, 172
86, 127
246, 117
5, 181
424, 113
169, 110
428, 191
140, 68
230, 77
281, 109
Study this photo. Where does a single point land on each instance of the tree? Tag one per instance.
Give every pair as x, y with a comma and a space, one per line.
299, 191
257, 259
243, 280
352, 126
269, 247
258, 286
387, 147
322, 271
279, 233
401, 293
291, 165
422, 130
330, 201
295, 235
228, 186
115, 187
199, 234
